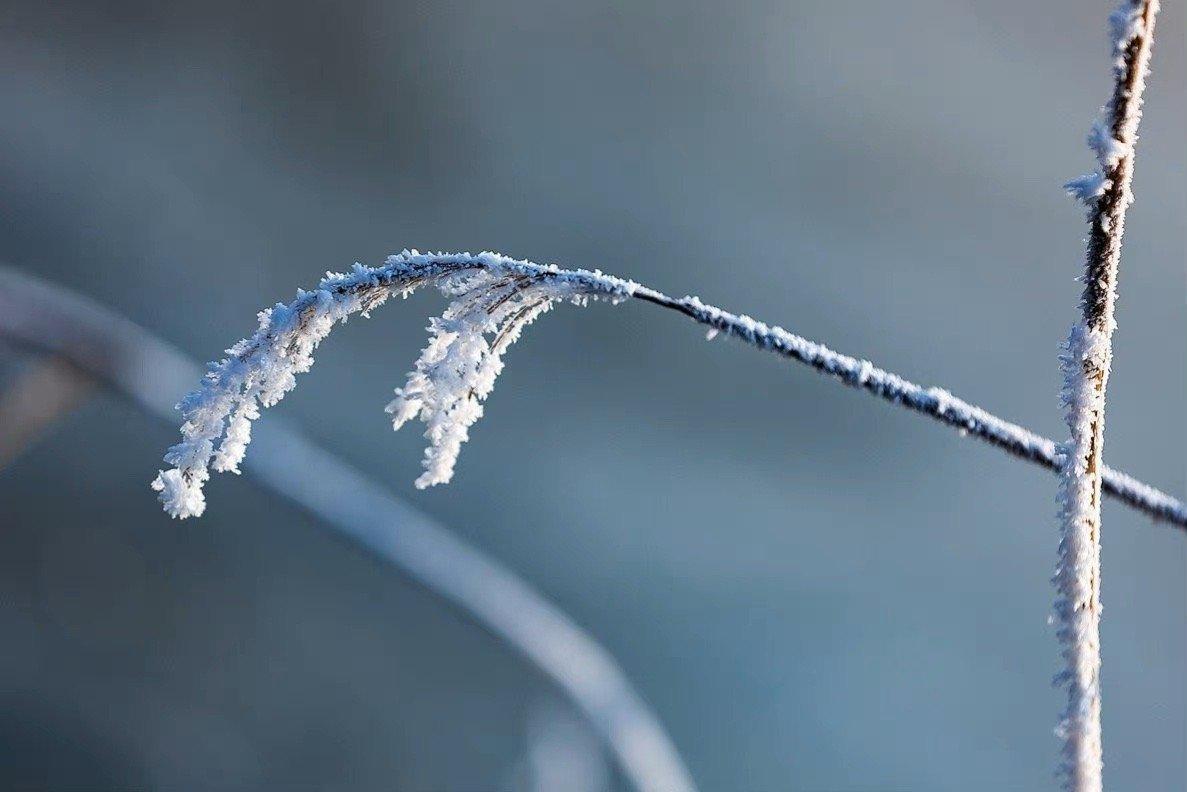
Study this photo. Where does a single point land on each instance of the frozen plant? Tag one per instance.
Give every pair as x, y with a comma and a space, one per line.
496, 296
492, 296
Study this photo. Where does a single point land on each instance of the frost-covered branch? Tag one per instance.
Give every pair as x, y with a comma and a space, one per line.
495, 295
1086, 364
492, 295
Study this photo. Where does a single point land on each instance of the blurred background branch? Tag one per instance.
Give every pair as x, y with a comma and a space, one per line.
43, 392
83, 336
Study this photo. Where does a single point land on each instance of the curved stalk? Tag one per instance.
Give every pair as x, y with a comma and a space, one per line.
151, 372
295, 329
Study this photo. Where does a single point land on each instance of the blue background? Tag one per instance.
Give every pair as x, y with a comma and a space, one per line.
814, 590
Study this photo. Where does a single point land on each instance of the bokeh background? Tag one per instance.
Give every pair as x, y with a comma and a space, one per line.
814, 590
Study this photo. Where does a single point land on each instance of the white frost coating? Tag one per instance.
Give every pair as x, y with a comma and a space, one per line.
493, 295
1109, 150
1077, 575
458, 368
1125, 25
1088, 188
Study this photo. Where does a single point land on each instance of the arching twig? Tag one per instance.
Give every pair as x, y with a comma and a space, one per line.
257, 372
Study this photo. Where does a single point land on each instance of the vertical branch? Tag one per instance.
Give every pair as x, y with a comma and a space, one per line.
1086, 365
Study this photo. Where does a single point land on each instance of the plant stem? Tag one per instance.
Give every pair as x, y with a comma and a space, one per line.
1086, 368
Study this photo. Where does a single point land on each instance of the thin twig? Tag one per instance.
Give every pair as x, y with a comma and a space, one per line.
936, 403
1086, 366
